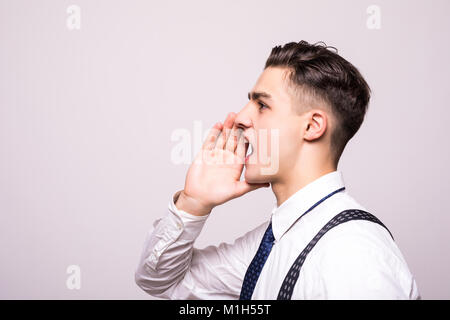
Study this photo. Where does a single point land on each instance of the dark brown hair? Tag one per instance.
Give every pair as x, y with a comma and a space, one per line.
320, 74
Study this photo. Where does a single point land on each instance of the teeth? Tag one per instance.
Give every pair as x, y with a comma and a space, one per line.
250, 149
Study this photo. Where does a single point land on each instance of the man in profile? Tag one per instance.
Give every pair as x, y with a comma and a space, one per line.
319, 243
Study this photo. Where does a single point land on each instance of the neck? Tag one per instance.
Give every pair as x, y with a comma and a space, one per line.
297, 179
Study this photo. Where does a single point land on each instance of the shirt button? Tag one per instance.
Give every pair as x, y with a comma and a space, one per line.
179, 226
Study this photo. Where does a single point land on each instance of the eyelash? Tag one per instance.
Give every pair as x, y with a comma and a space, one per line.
261, 105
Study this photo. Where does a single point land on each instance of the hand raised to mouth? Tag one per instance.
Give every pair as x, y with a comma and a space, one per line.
214, 176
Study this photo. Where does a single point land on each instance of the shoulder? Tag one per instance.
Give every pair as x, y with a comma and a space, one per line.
359, 259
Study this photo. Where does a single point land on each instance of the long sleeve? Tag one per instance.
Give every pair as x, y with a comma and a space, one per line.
356, 265
170, 267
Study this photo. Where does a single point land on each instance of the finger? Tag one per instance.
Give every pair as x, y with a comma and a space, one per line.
241, 148
229, 121
212, 136
243, 187
227, 125
232, 141
221, 139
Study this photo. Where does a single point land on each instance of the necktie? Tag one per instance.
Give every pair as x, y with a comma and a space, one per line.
254, 270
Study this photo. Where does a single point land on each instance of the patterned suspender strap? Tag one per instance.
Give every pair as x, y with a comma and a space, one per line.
291, 278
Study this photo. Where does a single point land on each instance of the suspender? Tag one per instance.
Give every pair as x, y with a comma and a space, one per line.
291, 278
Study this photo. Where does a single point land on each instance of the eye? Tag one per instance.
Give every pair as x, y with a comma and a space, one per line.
262, 105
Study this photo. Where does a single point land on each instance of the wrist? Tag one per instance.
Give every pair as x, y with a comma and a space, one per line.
191, 205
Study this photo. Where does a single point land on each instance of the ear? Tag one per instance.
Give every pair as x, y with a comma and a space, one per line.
316, 124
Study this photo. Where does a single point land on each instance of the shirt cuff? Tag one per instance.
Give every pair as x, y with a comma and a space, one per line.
190, 224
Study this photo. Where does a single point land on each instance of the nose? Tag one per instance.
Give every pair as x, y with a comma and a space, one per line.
243, 118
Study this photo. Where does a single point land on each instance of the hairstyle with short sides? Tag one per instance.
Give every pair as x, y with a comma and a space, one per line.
318, 74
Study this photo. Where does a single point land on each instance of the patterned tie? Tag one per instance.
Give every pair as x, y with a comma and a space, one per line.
253, 271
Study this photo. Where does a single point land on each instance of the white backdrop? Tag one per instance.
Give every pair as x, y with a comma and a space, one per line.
87, 115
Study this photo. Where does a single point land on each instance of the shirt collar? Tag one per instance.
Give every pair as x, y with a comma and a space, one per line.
284, 216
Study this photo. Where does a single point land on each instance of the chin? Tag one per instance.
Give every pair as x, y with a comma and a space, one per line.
253, 175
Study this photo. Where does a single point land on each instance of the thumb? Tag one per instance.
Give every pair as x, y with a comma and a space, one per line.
242, 187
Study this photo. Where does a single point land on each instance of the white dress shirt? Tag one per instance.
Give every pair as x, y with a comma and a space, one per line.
355, 260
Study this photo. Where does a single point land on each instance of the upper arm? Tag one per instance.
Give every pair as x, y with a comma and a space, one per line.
357, 264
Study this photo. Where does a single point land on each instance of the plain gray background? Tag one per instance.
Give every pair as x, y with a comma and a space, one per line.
86, 118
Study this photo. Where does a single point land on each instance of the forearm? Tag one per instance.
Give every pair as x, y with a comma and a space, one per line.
167, 252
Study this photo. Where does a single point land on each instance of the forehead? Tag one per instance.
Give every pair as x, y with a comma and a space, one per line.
273, 80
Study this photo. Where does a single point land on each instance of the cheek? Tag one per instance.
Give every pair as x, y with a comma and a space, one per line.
288, 146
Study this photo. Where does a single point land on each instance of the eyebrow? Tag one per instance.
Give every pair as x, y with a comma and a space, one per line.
254, 95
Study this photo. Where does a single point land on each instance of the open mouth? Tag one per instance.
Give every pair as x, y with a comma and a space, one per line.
249, 149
